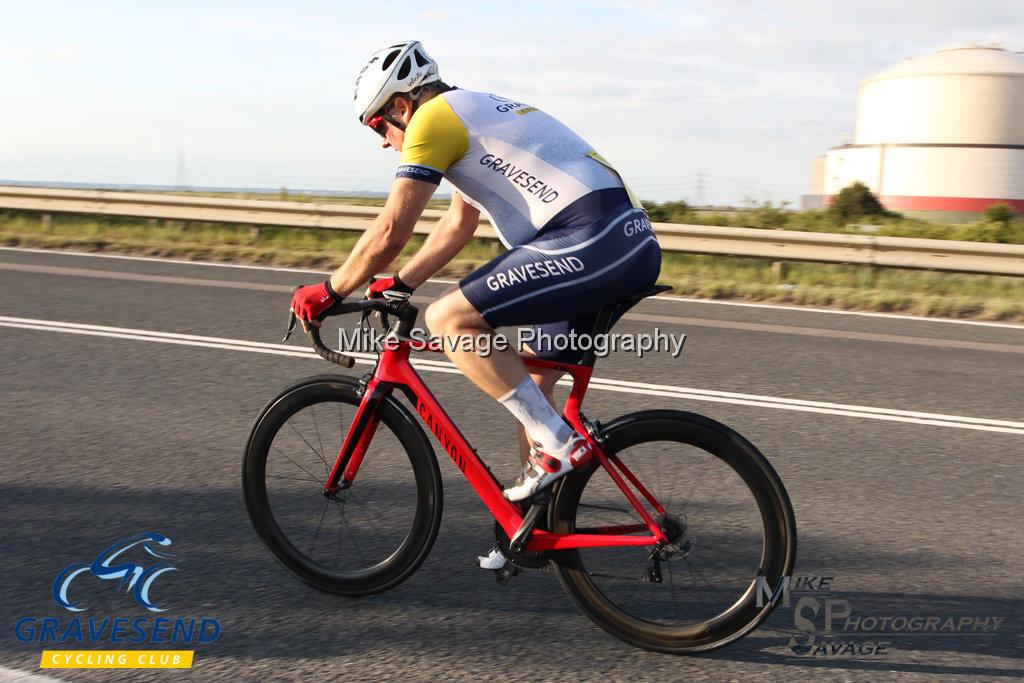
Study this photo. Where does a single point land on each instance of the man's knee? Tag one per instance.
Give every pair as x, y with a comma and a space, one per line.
452, 313
435, 316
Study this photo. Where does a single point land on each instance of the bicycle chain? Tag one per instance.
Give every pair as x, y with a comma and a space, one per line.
541, 561
525, 560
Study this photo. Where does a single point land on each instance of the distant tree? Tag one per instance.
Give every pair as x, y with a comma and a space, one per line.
654, 210
668, 212
855, 201
999, 213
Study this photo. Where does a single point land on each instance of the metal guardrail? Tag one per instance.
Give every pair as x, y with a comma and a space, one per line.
778, 245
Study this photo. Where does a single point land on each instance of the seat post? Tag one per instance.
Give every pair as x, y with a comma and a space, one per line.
603, 321
601, 324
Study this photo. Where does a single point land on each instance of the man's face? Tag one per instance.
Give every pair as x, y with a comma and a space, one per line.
393, 137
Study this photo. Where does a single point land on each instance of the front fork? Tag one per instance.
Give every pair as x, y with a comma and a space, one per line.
373, 393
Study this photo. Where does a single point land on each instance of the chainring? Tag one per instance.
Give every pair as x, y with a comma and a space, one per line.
538, 559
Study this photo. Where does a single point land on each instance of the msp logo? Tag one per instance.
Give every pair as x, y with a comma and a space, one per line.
132, 576
828, 626
135, 576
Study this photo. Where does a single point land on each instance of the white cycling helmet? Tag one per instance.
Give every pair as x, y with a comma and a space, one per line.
398, 68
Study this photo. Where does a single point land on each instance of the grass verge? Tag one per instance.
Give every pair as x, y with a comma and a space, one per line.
714, 277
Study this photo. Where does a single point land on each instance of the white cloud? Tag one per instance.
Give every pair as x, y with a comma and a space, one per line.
66, 53
434, 15
235, 22
25, 55
19, 54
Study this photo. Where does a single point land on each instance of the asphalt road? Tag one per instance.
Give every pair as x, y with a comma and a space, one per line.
914, 514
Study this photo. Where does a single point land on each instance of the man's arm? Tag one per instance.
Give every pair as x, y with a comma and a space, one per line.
447, 238
383, 242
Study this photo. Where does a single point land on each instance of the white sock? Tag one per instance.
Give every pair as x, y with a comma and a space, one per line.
541, 421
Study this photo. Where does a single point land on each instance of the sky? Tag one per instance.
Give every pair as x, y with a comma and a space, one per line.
723, 102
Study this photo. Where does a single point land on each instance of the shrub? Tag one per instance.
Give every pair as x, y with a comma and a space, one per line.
995, 231
855, 201
814, 221
767, 216
720, 218
669, 212
999, 213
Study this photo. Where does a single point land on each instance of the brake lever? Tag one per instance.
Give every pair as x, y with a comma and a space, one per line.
292, 320
380, 316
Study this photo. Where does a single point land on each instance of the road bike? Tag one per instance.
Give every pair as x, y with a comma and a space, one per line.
666, 538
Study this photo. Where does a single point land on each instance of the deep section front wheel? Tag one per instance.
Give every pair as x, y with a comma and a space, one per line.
727, 517
365, 539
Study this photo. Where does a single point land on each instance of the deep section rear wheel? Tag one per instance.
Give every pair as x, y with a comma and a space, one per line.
728, 519
366, 539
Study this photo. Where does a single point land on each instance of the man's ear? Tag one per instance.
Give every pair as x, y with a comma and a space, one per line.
403, 106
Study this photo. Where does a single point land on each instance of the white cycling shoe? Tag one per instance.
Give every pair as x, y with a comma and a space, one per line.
542, 469
493, 560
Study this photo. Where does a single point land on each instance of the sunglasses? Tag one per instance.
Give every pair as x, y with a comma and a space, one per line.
378, 125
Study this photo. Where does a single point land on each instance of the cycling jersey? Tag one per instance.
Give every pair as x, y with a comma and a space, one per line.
578, 239
523, 167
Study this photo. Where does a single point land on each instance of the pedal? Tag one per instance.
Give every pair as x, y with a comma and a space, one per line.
533, 515
505, 574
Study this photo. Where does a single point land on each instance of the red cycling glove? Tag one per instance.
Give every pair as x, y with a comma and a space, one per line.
310, 302
389, 284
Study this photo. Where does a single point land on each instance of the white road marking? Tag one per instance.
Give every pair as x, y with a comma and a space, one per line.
804, 309
620, 386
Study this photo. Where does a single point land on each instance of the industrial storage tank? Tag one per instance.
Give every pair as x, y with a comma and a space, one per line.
940, 135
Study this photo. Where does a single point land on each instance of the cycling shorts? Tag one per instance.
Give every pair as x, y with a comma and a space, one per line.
559, 280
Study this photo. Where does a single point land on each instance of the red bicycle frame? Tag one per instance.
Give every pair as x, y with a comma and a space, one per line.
394, 370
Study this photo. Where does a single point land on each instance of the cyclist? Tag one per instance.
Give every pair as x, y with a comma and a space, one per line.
577, 239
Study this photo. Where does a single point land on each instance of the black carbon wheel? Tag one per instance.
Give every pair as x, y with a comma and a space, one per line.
728, 518
370, 537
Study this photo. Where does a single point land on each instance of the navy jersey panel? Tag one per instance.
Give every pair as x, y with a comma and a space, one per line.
564, 275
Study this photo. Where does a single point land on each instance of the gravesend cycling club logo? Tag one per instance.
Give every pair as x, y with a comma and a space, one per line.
131, 565
132, 576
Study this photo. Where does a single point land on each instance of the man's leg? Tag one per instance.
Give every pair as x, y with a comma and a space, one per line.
502, 374
546, 380
452, 316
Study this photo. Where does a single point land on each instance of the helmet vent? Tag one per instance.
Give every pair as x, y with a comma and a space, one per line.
420, 59
389, 59
403, 71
